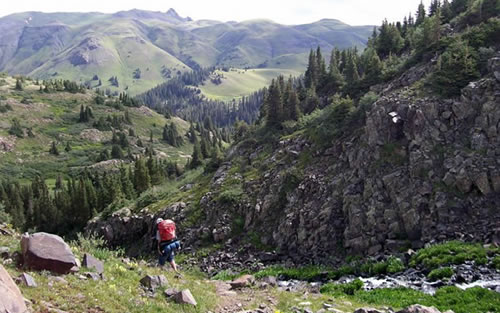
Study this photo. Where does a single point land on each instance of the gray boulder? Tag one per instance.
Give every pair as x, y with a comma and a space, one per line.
43, 251
154, 281
27, 280
185, 297
11, 299
92, 263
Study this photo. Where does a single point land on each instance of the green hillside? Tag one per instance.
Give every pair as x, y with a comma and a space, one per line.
143, 49
54, 117
236, 83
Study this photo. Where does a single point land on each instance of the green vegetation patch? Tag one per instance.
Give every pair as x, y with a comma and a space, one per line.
452, 252
441, 273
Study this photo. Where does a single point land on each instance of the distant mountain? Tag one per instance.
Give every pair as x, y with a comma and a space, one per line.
144, 48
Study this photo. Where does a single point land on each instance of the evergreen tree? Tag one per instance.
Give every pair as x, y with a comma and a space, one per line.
142, 180
53, 149
312, 101
335, 80
204, 148
127, 185
68, 147
311, 74
351, 70
420, 14
16, 208
434, 6
446, 12
19, 85
274, 105
389, 40
196, 156
456, 67
116, 152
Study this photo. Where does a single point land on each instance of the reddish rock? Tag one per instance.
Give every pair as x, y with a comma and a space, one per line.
11, 299
42, 251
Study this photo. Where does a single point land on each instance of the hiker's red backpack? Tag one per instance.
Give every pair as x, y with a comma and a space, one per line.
166, 229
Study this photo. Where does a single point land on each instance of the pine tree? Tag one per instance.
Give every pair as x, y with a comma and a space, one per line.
16, 208
53, 149
127, 186
335, 80
19, 85
389, 40
274, 105
420, 14
116, 152
446, 11
204, 148
311, 74
435, 5
68, 147
191, 133
142, 180
196, 156
456, 67
351, 70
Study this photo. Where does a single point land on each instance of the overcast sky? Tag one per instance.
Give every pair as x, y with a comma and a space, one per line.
354, 12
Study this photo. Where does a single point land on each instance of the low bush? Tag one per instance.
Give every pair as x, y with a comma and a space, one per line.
441, 273
348, 288
452, 252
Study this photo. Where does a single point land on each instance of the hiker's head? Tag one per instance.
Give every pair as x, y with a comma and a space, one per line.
159, 220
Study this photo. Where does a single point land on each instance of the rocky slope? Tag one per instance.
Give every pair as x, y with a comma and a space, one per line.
420, 169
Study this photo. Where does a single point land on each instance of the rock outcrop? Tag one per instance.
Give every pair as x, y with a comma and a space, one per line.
11, 299
415, 170
42, 251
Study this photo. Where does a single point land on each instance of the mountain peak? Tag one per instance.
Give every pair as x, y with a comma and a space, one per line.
173, 14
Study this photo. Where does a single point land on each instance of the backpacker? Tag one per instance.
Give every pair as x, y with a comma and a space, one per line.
166, 229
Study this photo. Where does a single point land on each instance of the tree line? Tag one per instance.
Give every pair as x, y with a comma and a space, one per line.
392, 49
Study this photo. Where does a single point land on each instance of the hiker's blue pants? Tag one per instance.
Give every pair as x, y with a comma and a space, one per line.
167, 252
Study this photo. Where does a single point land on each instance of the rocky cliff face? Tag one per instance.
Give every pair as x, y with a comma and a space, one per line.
421, 169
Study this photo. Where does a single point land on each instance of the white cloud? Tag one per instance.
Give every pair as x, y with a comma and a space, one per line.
354, 12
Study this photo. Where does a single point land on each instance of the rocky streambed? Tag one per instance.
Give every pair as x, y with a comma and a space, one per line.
466, 276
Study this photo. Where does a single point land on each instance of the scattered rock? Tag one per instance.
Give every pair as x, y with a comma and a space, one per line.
92, 263
170, 292
417, 308
185, 297
367, 310
43, 251
242, 282
11, 299
4, 252
92, 275
27, 280
154, 281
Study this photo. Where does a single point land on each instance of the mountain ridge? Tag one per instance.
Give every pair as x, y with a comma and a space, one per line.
158, 44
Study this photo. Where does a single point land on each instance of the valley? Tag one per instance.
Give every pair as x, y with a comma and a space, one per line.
307, 168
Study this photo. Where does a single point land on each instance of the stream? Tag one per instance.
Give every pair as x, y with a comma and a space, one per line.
466, 276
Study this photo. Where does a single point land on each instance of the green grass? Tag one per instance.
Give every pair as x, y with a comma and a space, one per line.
54, 117
453, 252
238, 82
473, 300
